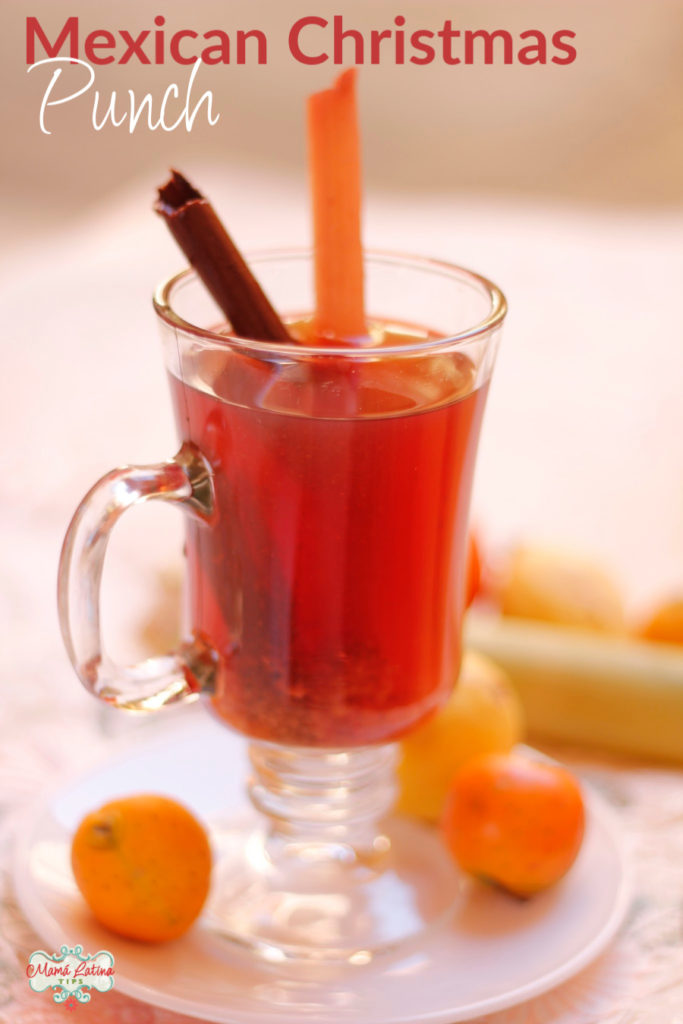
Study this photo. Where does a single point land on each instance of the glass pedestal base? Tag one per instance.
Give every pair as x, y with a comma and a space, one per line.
328, 878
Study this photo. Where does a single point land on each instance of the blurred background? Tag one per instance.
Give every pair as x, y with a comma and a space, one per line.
563, 184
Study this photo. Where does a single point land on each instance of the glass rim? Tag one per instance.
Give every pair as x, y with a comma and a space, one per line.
163, 294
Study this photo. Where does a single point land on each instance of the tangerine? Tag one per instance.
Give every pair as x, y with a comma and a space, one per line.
666, 624
473, 571
514, 821
143, 866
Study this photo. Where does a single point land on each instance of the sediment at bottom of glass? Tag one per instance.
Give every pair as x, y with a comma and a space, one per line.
325, 875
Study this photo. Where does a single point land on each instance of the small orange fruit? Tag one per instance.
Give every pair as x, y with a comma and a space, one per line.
514, 821
143, 866
473, 572
666, 624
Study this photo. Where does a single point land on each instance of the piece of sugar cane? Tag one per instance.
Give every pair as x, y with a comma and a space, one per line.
334, 156
580, 687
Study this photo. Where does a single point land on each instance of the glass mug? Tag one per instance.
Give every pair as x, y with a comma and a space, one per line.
327, 493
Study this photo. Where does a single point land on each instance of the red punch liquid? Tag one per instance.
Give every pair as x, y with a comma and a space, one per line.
331, 582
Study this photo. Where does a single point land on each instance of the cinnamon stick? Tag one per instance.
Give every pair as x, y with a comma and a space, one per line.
200, 234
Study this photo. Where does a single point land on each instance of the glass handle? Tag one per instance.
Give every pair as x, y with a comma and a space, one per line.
155, 682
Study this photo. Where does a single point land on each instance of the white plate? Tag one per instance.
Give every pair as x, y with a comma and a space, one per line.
497, 952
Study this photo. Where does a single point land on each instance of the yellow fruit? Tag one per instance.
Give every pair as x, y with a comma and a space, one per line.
560, 587
483, 715
143, 866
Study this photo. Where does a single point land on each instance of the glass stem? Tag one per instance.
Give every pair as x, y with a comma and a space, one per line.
324, 804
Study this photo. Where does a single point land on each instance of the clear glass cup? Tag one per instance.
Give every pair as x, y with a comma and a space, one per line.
327, 493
